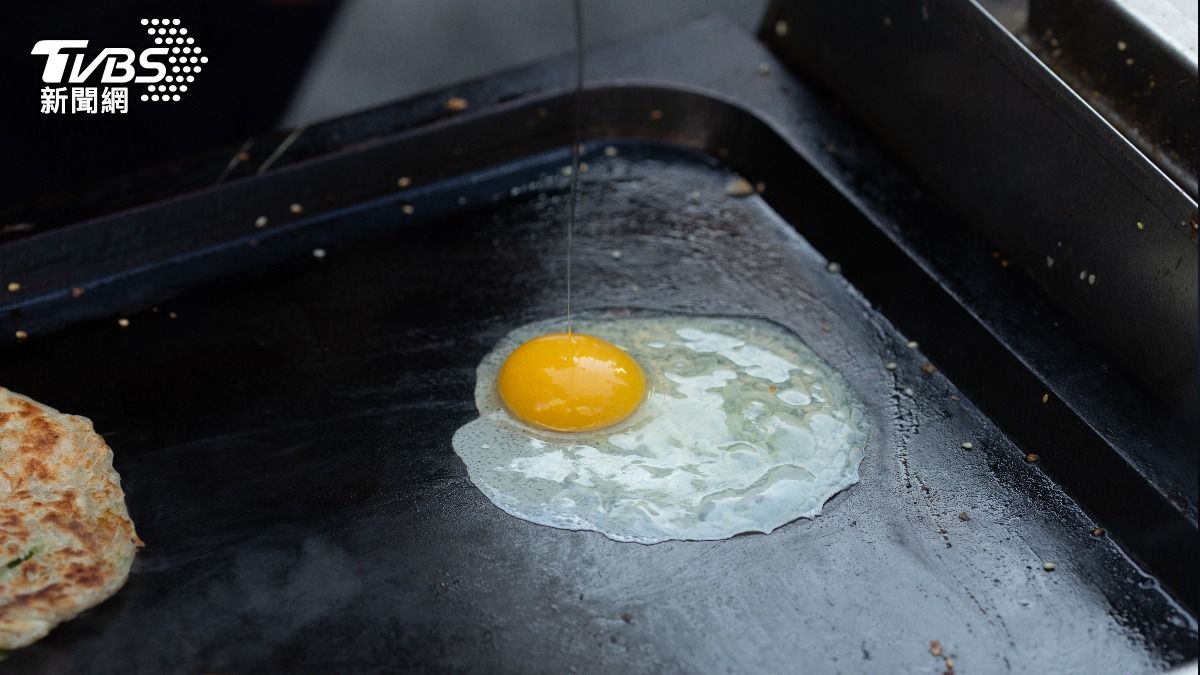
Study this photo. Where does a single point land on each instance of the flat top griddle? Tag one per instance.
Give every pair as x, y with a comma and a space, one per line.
282, 424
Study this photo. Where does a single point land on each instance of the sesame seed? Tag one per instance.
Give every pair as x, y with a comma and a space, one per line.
318, 253
764, 69
1092, 279
1049, 261
1083, 275
967, 445
610, 151
1121, 46
583, 167
1045, 398
296, 207
22, 335
13, 286
456, 104
781, 28
123, 322
1049, 566
260, 221
891, 365
1141, 225
404, 181
172, 315
928, 368
1031, 457
912, 344
1098, 532
935, 648
407, 209
77, 291
834, 267
739, 187
908, 391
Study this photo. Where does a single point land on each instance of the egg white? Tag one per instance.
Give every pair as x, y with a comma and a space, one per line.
744, 429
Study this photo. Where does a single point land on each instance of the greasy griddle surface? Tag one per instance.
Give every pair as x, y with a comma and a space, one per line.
285, 444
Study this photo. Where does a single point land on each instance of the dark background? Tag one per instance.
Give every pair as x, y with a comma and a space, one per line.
273, 63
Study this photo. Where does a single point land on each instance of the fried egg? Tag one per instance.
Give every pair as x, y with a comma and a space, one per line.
679, 427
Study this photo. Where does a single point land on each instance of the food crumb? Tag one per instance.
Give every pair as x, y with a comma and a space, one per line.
928, 368
781, 28
1092, 279
949, 663
764, 69
296, 207
656, 115
1049, 566
616, 254
627, 617
1045, 398
407, 209
891, 365
834, 267
1004, 263
123, 322
610, 151
908, 391
403, 181
456, 104
318, 253
583, 167
260, 221
1098, 532
77, 291
739, 187
967, 445
1032, 457
14, 286
1049, 261
760, 187
172, 315
22, 335
912, 344
772, 388
1141, 225
1083, 275
1121, 46
964, 516
935, 648
1129, 61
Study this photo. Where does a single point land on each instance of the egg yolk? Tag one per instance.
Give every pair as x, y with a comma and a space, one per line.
571, 382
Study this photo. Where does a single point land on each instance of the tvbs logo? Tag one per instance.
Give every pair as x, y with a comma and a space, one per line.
166, 70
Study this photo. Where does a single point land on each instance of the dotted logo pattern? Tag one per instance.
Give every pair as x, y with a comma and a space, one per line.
184, 62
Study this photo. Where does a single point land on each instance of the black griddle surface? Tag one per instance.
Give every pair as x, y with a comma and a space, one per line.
284, 439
